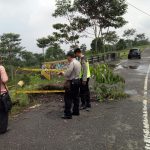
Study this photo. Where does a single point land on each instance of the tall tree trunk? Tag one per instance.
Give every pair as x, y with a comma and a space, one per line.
103, 39
96, 45
12, 72
44, 54
96, 39
11, 66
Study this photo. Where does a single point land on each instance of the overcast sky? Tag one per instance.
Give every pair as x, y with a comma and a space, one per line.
32, 19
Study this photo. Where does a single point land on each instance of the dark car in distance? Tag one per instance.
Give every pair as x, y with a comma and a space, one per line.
134, 53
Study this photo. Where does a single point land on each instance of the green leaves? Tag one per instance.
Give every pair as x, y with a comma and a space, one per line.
111, 37
106, 13
10, 42
54, 53
70, 31
43, 42
129, 33
63, 8
102, 15
107, 84
99, 43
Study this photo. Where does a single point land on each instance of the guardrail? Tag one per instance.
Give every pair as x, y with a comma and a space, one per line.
107, 57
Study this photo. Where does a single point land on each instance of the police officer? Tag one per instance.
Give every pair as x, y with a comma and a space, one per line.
85, 78
72, 86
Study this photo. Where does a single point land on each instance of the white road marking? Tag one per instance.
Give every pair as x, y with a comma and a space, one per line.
146, 131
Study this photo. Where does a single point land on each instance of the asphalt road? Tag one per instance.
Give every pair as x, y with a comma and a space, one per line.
112, 126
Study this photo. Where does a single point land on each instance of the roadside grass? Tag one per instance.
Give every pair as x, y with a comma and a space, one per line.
107, 85
32, 82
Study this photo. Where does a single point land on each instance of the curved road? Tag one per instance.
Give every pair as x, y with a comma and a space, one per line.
122, 125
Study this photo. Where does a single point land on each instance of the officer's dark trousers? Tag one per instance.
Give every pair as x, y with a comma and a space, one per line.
72, 99
85, 94
3, 120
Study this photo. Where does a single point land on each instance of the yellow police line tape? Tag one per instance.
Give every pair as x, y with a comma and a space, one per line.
55, 62
40, 92
39, 70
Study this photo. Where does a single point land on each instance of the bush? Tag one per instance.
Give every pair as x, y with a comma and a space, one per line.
25, 78
23, 100
107, 85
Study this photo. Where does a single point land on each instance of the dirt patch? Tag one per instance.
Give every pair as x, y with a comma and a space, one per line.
46, 98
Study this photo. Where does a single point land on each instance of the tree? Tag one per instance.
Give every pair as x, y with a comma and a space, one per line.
141, 39
43, 43
10, 48
128, 34
54, 53
10, 44
121, 44
83, 48
39, 58
102, 15
68, 32
100, 45
111, 37
28, 59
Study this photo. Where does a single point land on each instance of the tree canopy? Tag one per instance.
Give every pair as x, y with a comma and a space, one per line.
70, 31
102, 15
10, 44
129, 33
54, 53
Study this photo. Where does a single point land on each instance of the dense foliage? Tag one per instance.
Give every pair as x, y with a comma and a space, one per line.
107, 85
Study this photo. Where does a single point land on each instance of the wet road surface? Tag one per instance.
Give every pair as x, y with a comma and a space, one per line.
112, 126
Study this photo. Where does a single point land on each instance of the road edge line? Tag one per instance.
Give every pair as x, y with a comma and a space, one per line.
146, 131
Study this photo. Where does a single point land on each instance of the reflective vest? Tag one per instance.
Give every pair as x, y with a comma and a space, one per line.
88, 70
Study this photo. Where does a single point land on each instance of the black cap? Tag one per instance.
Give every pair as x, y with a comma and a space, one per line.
77, 50
71, 54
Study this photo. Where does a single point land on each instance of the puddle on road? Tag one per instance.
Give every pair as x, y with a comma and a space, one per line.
146, 57
132, 64
142, 69
119, 67
133, 67
127, 67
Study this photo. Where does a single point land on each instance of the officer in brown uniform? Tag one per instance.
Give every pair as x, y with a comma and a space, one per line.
72, 86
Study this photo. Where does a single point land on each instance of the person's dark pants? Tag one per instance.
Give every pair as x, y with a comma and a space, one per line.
3, 120
72, 98
85, 94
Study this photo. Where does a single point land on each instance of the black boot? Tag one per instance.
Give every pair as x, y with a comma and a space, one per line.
75, 114
66, 117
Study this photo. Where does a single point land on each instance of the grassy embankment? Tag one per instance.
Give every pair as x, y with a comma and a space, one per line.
32, 82
108, 86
